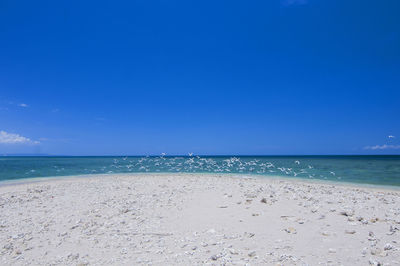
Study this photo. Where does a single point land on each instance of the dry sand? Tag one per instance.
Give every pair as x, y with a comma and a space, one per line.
186, 219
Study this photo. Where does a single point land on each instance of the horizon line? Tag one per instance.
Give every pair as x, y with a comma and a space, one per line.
194, 155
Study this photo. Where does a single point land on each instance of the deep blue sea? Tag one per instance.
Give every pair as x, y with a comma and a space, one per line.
378, 170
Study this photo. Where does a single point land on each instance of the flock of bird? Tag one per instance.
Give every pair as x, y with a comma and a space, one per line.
193, 164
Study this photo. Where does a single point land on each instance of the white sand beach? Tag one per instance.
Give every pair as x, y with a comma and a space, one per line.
186, 219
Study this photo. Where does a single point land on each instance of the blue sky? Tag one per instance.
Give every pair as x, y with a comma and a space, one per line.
209, 77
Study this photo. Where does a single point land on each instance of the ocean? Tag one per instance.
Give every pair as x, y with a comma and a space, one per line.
375, 170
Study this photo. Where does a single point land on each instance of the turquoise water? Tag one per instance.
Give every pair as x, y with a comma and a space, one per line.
378, 170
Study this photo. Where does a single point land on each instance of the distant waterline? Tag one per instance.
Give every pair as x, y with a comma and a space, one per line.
377, 170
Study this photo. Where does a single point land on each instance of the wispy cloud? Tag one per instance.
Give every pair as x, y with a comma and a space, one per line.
294, 2
383, 147
391, 137
24, 105
11, 138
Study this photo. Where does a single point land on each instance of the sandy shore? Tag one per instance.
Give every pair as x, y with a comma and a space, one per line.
186, 219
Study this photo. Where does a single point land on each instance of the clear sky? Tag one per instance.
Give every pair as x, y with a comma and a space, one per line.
209, 77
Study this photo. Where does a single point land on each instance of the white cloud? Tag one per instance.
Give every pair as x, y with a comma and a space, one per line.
11, 138
23, 105
391, 137
382, 147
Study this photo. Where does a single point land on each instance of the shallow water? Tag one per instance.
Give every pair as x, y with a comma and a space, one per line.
378, 170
